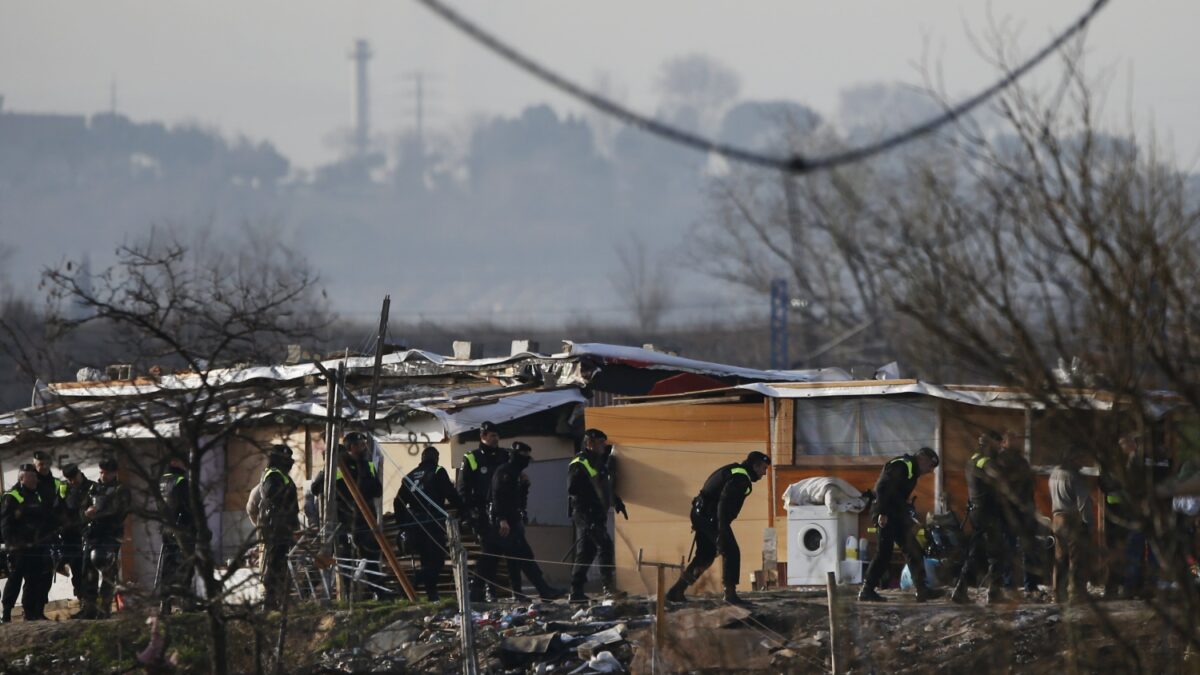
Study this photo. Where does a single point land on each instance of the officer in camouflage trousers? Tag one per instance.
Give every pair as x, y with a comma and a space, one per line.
107, 506
175, 564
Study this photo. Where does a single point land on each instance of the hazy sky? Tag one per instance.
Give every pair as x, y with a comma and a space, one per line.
279, 70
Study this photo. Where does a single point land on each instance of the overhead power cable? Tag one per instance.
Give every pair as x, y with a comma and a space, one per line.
794, 163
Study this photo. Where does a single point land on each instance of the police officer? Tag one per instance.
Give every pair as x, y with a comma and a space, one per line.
713, 512
175, 566
507, 508
79, 487
890, 513
425, 492
1020, 512
53, 490
26, 525
357, 541
474, 484
106, 507
278, 521
986, 512
590, 489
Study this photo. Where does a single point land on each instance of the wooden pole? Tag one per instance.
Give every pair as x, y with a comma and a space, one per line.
660, 609
384, 545
831, 596
383, 322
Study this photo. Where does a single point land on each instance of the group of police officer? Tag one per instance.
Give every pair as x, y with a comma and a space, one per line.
71, 524
1000, 508
1003, 547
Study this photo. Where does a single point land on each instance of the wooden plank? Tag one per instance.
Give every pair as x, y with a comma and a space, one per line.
675, 423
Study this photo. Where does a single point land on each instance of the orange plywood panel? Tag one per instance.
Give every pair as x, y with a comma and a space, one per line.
658, 482
681, 422
962, 424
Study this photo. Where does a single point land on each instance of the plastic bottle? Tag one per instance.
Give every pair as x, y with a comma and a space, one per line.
862, 548
851, 548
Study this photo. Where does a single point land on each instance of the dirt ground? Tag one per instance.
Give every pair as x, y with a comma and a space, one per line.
785, 631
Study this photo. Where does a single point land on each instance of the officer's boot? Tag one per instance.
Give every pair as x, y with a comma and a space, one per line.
545, 590
867, 594
960, 595
732, 598
610, 589
925, 593
87, 610
6, 617
431, 588
577, 594
676, 592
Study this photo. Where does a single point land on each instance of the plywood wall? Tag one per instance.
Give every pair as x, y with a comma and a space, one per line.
665, 452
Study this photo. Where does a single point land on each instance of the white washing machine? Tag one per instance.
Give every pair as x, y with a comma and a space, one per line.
816, 544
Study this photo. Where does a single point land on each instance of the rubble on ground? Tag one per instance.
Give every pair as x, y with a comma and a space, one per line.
783, 631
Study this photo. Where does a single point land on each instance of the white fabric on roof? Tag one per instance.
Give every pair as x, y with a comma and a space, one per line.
644, 358
502, 410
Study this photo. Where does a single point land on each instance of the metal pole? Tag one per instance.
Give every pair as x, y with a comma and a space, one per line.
330, 522
831, 596
462, 590
383, 322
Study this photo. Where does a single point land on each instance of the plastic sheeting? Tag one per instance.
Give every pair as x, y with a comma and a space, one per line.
864, 425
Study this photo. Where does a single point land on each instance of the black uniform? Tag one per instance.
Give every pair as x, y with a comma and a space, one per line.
510, 498
175, 564
27, 526
52, 491
425, 525
72, 531
1020, 523
474, 483
102, 538
985, 510
590, 487
279, 518
355, 540
713, 512
892, 490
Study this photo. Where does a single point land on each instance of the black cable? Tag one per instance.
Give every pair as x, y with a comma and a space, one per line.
795, 163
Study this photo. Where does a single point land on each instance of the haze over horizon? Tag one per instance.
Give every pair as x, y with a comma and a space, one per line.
282, 75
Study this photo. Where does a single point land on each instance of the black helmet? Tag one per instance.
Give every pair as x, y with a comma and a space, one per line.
756, 456
488, 427
518, 446
356, 437
103, 557
280, 456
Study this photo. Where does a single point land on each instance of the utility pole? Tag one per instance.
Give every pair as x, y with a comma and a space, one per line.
329, 511
361, 55
779, 324
379, 341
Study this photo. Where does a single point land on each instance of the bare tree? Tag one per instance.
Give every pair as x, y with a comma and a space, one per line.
1056, 241
185, 316
642, 283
